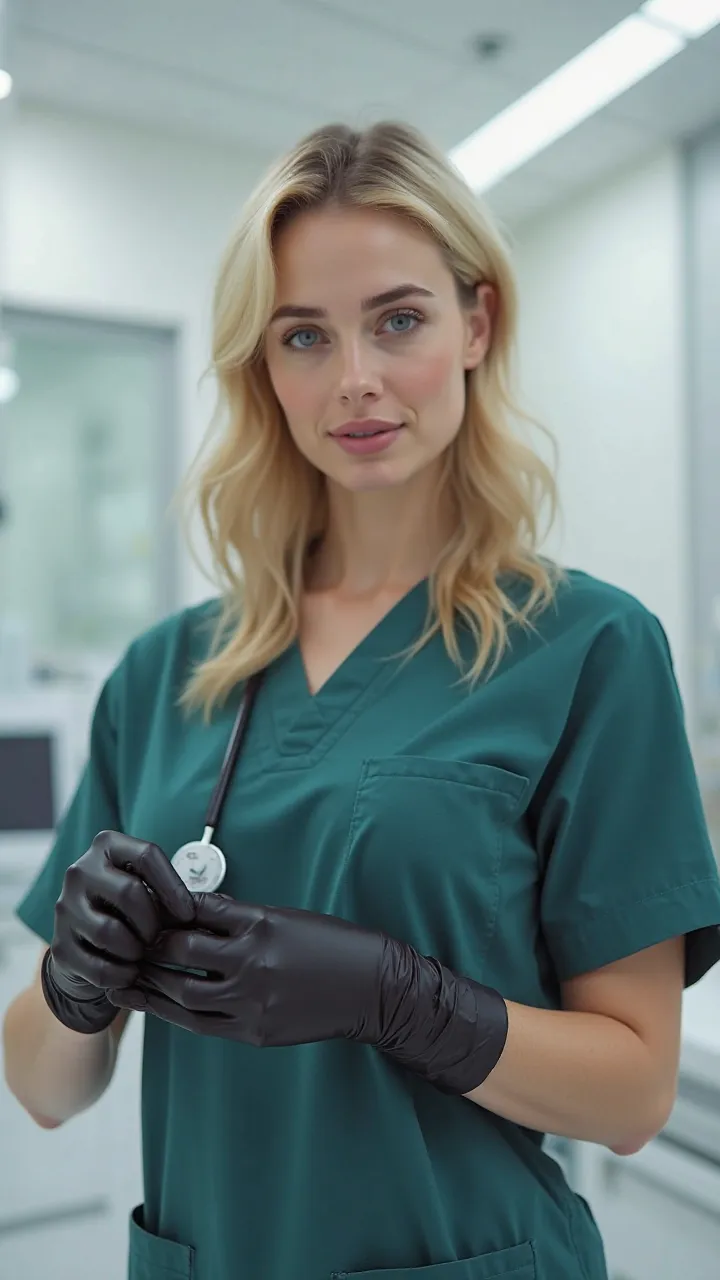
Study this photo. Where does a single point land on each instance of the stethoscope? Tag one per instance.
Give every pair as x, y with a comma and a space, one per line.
201, 864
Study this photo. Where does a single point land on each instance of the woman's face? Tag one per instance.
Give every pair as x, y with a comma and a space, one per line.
368, 345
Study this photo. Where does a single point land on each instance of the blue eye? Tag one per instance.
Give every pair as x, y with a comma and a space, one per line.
405, 321
301, 333
413, 319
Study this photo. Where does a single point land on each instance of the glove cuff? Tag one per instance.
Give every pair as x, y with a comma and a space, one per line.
448, 1029
475, 1038
87, 1014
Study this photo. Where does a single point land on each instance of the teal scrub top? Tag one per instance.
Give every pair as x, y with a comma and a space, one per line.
541, 825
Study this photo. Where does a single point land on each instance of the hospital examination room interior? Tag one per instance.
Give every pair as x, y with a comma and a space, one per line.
132, 135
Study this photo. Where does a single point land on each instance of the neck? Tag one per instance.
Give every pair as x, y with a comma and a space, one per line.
381, 540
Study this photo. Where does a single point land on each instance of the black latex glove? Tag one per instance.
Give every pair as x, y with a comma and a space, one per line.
278, 976
111, 908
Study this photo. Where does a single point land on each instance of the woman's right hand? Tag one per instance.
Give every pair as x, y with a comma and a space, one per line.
114, 902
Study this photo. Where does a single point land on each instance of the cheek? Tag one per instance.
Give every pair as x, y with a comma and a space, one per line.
296, 393
432, 378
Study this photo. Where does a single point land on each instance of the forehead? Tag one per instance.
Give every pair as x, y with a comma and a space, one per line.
344, 253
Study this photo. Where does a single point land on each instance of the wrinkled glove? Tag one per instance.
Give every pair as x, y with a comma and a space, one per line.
110, 909
279, 976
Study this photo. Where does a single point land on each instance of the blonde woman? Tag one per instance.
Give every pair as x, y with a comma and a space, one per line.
466, 873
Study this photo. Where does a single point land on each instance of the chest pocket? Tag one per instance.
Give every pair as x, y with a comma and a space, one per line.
423, 859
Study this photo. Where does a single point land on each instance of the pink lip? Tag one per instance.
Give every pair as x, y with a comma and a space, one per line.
380, 435
365, 424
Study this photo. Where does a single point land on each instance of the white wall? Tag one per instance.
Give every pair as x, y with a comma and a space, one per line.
602, 364
108, 221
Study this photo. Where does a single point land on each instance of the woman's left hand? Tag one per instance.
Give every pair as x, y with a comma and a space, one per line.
272, 975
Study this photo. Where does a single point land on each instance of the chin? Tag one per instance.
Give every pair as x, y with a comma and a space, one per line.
371, 477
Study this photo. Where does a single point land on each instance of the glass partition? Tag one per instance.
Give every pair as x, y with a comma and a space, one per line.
88, 463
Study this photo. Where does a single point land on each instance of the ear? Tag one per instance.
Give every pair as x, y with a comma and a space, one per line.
479, 325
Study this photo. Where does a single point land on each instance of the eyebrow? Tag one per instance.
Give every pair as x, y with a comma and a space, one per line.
368, 304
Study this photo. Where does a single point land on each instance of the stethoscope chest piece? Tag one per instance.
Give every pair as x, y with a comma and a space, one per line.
200, 864
201, 867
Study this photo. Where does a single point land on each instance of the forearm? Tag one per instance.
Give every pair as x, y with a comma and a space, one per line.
579, 1075
53, 1072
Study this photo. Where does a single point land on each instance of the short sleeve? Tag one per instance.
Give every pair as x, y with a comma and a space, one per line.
626, 855
93, 808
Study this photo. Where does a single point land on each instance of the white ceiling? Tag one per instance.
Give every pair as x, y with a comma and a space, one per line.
261, 76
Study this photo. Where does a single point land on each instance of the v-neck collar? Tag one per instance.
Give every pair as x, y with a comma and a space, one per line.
300, 718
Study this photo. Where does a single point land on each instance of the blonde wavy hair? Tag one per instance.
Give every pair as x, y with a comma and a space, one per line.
263, 505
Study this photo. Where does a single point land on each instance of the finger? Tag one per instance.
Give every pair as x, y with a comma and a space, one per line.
77, 956
104, 932
189, 992
147, 860
189, 949
220, 914
127, 998
168, 1010
118, 895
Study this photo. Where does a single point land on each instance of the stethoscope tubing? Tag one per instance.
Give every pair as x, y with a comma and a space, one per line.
234, 747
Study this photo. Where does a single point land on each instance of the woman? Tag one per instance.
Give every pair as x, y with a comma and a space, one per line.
467, 868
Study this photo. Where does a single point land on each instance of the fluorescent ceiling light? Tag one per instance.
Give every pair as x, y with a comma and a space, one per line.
691, 17
5, 84
615, 62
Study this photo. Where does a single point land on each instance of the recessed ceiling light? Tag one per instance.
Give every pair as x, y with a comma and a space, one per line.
5, 84
692, 17
615, 62
490, 46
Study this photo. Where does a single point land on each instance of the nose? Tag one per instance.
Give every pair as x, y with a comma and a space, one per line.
359, 376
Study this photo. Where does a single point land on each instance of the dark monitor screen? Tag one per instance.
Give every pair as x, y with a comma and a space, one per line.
27, 794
